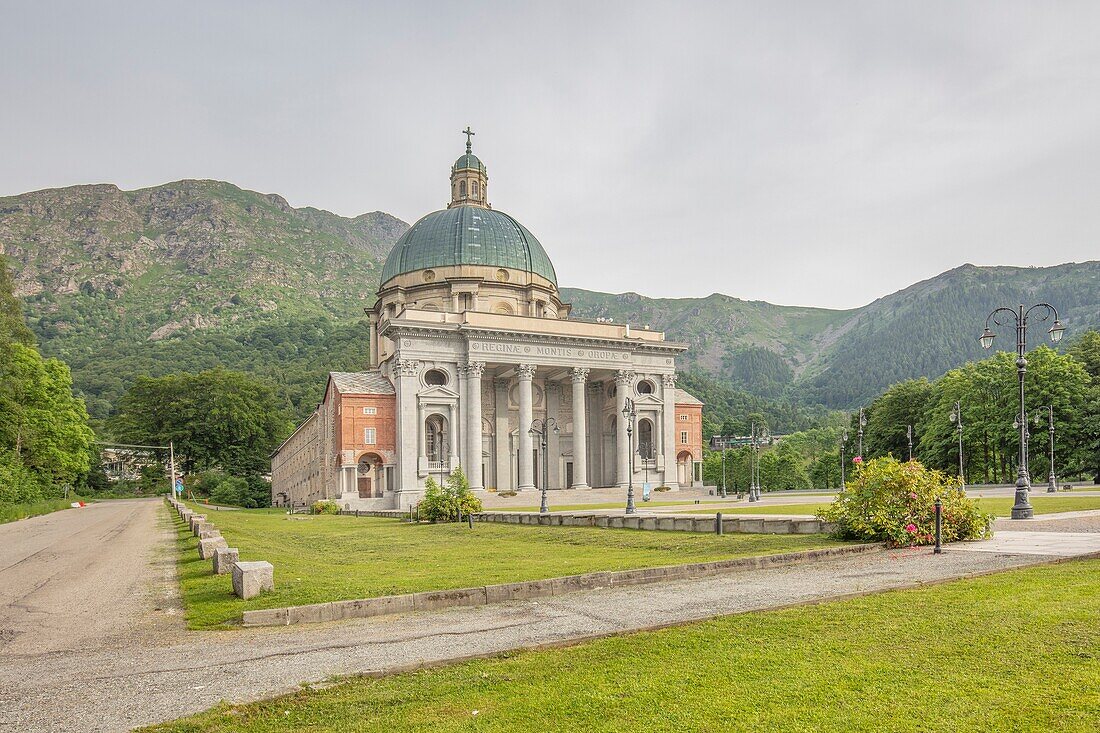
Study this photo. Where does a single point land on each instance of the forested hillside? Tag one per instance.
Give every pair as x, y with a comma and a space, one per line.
195, 275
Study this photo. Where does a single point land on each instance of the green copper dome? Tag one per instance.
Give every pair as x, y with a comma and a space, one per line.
468, 235
469, 160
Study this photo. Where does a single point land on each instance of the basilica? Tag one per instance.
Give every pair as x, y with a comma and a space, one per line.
474, 361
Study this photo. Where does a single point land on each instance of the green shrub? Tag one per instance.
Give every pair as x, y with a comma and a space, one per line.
662, 488
443, 503
894, 502
325, 507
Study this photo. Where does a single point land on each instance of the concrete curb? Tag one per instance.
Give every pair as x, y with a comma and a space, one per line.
663, 523
477, 596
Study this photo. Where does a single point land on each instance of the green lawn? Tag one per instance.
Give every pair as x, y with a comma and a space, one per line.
1017, 651
15, 512
329, 558
1000, 506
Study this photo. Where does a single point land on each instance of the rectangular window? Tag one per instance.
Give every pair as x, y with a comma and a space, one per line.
369, 435
370, 410
683, 418
683, 437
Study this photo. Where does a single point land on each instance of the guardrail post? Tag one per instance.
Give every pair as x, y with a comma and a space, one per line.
718, 523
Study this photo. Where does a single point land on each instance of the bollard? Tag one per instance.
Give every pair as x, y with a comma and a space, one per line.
460, 513
718, 523
470, 517
939, 523
356, 513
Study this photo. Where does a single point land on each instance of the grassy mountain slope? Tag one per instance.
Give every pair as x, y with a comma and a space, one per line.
195, 274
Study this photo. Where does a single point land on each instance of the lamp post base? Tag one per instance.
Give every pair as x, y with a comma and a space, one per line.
1022, 508
1052, 483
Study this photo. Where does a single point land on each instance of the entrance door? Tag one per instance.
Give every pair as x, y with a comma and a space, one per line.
364, 487
568, 475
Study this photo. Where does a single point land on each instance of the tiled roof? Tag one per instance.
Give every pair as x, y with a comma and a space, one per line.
684, 398
361, 382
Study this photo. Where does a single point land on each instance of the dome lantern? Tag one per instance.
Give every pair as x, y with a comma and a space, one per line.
469, 179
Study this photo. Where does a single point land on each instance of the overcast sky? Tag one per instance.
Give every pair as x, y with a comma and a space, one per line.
813, 153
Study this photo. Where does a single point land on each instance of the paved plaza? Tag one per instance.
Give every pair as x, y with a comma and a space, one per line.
127, 659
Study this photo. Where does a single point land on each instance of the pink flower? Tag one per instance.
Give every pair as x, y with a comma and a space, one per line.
857, 459
911, 528
912, 495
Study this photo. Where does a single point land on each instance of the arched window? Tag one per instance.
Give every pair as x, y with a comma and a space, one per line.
645, 387
473, 189
462, 189
645, 438
435, 438
435, 377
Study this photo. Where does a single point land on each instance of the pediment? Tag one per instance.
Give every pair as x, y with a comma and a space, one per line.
649, 400
438, 392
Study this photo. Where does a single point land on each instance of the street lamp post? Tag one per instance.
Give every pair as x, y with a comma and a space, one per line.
1022, 508
843, 443
909, 435
629, 414
862, 424
723, 472
540, 429
957, 418
1052, 480
752, 466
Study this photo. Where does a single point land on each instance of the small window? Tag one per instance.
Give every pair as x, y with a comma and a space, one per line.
435, 378
462, 189
473, 188
370, 410
683, 418
683, 437
645, 387
369, 435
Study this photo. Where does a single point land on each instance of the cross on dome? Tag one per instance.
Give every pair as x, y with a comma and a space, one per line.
468, 133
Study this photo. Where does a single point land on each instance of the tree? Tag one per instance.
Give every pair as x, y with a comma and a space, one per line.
45, 441
215, 418
891, 413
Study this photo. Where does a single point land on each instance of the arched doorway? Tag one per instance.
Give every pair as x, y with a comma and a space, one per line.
645, 446
683, 468
370, 478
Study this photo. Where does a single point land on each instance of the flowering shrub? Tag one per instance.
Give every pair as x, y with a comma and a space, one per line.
325, 507
442, 503
894, 502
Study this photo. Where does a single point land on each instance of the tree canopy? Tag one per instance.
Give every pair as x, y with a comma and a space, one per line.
216, 419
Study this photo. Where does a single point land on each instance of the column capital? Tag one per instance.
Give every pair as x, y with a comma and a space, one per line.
407, 367
579, 375
474, 368
669, 380
624, 378
526, 372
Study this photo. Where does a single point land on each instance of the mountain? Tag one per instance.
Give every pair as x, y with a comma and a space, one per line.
195, 274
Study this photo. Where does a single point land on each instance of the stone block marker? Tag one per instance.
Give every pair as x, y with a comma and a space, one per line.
195, 518
201, 527
250, 578
207, 534
224, 559
208, 547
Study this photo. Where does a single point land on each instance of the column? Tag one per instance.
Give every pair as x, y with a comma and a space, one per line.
623, 381
580, 430
405, 372
553, 446
669, 449
452, 439
502, 435
526, 373
474, 370
595, 434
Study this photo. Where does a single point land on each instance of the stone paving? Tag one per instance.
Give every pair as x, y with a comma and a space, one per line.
134, 671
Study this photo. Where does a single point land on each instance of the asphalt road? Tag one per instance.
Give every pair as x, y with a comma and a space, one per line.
93, 641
